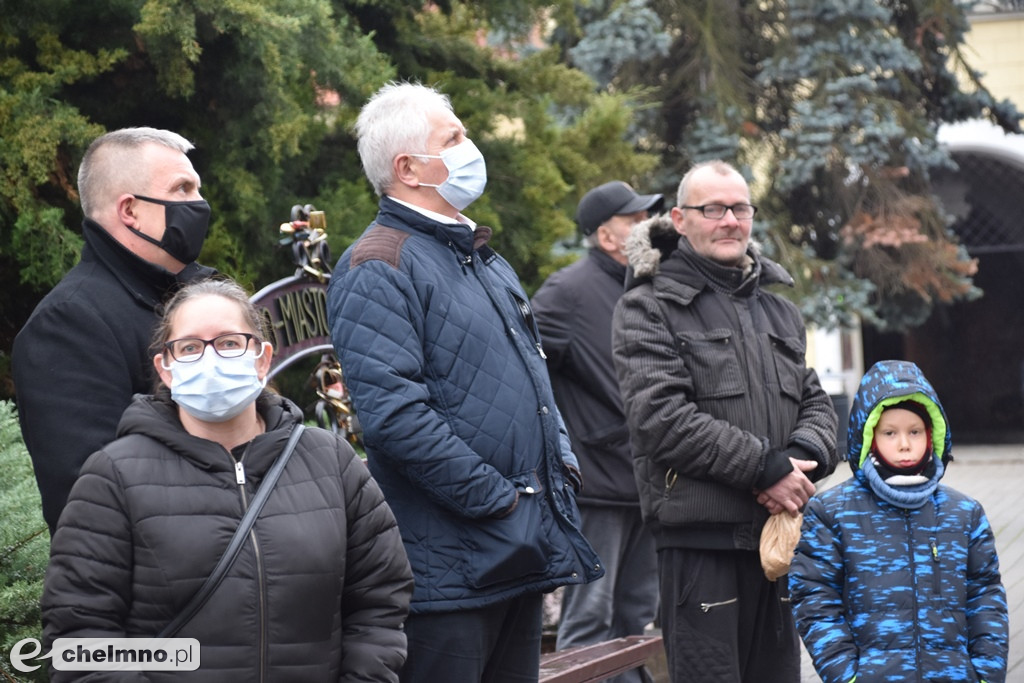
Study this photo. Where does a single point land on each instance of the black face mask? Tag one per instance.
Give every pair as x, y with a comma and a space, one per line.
186, 225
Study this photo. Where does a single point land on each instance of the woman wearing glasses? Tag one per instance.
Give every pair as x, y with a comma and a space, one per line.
320, 587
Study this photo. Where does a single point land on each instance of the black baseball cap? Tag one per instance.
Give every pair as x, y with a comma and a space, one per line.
612, 199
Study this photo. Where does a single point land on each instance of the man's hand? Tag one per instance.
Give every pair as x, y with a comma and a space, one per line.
791, 492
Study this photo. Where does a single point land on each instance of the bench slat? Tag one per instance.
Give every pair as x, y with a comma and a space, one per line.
590, 663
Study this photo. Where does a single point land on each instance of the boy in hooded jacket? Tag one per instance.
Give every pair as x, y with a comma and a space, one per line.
896, 576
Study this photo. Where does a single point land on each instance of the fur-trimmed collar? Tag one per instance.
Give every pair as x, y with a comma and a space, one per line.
648, 243
652, 241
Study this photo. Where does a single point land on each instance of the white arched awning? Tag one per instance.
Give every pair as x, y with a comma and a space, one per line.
983, 194
983, 137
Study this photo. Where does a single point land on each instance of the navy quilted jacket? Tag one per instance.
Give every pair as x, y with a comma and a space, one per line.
442, 357
898, 583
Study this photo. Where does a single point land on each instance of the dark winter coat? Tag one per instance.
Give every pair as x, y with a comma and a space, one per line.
898, 583
574, 313
444, 363
83, 354
716, 389
319, 591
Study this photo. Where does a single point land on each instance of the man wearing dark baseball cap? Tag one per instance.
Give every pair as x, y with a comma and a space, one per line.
613, 199
573, 309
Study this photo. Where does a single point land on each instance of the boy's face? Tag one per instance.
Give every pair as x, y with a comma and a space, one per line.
901, 438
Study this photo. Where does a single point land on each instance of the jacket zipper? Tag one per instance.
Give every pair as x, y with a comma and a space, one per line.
240, 480
708, 606
671, 476
915, 592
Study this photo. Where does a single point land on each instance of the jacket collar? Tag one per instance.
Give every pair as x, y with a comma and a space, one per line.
156, 417
735, 280
654, 247
146, 282
607, 264
464, 238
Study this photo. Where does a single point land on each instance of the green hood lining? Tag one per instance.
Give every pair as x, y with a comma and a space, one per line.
938, 423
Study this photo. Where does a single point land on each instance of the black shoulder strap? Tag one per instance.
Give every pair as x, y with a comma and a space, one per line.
237, 541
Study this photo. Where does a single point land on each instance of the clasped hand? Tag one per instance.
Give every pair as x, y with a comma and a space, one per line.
790, 493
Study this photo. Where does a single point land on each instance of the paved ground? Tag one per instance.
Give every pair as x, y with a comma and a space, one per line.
994, 475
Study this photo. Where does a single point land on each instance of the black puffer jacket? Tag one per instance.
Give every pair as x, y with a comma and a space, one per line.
318, 593
716, 394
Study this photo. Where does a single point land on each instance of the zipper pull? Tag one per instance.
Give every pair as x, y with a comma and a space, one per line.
239, 473
935, 552
540, 350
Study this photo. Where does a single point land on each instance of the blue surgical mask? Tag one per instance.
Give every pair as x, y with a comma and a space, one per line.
215, 389
467, 174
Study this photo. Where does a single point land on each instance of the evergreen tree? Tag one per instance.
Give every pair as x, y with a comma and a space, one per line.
869, 83
831, 107
268, 90
24, 548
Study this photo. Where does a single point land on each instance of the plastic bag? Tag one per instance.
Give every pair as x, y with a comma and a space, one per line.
778, 541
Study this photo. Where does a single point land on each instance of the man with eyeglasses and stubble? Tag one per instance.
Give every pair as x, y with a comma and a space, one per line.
728, 426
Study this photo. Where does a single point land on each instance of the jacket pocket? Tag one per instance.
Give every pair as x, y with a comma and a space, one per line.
788, 356
713, 364
513, 547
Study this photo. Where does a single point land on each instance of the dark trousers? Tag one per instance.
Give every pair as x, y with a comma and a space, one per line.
495, 644
723, 621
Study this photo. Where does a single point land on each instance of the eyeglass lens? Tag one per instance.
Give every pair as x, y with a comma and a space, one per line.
189, 349
740, 211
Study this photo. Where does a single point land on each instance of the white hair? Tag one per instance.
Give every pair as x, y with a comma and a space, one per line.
394, 121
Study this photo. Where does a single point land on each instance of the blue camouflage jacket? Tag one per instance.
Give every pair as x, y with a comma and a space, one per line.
443, 360
898, 583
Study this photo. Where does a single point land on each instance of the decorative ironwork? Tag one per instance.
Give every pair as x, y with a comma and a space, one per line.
294, 311
306, 234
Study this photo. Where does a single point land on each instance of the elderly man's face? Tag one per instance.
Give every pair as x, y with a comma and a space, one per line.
725, 239
446, 131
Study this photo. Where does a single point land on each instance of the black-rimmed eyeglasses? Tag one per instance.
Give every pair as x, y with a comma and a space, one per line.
715, 212
191, 349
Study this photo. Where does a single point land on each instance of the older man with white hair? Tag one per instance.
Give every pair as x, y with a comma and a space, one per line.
444, 363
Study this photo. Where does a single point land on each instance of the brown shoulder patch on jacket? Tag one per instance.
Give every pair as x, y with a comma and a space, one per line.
380, 244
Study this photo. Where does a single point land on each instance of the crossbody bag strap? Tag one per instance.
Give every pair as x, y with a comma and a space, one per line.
237, 541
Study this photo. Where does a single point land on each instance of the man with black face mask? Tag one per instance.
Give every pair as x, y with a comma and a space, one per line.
85, 349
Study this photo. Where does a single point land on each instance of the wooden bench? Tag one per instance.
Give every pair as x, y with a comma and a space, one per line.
589, 663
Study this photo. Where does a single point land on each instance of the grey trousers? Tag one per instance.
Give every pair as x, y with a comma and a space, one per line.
625, 600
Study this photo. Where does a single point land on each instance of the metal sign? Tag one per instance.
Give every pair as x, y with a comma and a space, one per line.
294, 310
